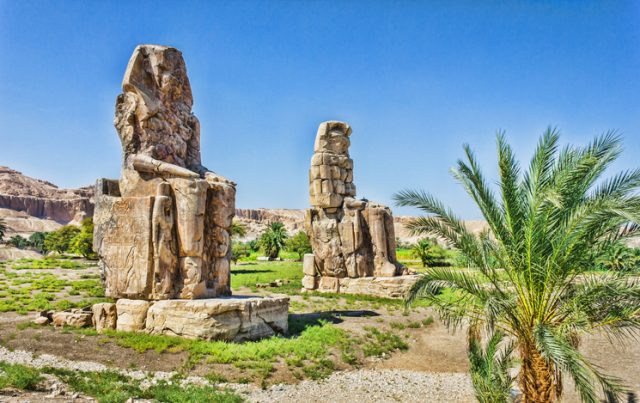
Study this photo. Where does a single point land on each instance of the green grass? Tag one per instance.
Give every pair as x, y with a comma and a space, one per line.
248, 275
379, 343
18, 376
49, 263
109, 386
24, 291
312, 351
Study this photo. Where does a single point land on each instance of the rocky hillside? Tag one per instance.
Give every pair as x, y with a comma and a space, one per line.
28, 205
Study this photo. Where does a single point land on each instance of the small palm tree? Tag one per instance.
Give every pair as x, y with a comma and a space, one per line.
529, 275
618, 258
3, 229
238, 229
490, 367
421, 250
274, 239
430, 253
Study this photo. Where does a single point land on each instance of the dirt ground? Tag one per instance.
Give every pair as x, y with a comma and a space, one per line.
431, 349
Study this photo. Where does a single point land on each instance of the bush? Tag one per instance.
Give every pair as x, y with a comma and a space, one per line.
19, 242
61, 239
82, 243
239, 250
299, 243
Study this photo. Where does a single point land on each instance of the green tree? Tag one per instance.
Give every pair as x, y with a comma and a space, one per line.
82, 242
273, 239
36, 241
239, 250
430, 253
61, 239
490, 367
299, 243
18, 241
254, 245
3, 229
528, 279
238, 229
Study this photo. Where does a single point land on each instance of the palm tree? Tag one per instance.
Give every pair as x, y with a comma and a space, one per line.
429, 252
421, 250
273, 239
490, 367
618, 258
238, 229
3, 229
529, 271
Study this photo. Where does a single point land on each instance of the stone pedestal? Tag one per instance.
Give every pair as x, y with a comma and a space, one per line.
383, 287
230, 318
226, 318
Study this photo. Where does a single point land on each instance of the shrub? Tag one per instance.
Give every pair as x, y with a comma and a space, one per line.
299, 243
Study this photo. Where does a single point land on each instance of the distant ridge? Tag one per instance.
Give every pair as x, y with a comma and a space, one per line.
28, 205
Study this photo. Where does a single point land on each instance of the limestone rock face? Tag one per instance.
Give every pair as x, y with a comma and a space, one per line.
131, 314
105, 316
350, 238
162, 230
230, 319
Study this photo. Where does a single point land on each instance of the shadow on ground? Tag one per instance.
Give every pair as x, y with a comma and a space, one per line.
298, 322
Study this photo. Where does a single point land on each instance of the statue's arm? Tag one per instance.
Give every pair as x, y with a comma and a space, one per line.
144, 163
212, 176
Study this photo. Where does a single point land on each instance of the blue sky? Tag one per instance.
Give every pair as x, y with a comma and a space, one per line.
415, 80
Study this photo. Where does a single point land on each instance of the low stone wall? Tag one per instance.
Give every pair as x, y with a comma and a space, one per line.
383, 287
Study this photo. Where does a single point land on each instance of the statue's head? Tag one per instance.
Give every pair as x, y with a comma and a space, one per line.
158, 73
153, 114
333, 136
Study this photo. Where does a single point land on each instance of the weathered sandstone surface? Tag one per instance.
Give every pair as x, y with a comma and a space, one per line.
350, 238
229, 318
163, 230
395, 287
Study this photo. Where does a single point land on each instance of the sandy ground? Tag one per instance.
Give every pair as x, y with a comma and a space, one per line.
434, 354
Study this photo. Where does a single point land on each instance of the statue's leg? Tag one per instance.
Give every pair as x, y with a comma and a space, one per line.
190, 197
382, 266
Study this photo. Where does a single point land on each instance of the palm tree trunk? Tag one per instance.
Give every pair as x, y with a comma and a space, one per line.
537, 376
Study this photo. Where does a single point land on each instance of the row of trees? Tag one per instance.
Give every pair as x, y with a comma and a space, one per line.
66, 239
272, 240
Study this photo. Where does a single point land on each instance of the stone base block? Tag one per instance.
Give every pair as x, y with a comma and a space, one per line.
225, 318
383, 287
131, 314
230, 319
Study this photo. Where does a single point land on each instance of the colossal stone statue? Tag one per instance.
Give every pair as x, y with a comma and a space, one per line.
162, 231
350, 238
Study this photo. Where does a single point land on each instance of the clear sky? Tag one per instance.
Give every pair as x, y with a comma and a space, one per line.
414, 79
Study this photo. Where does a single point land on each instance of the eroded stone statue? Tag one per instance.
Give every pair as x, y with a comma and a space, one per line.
162, 230
350, 238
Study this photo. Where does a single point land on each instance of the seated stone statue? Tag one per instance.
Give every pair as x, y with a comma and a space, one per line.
350, 238
162, 231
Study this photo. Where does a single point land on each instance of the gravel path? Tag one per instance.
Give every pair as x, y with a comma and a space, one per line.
362, 386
